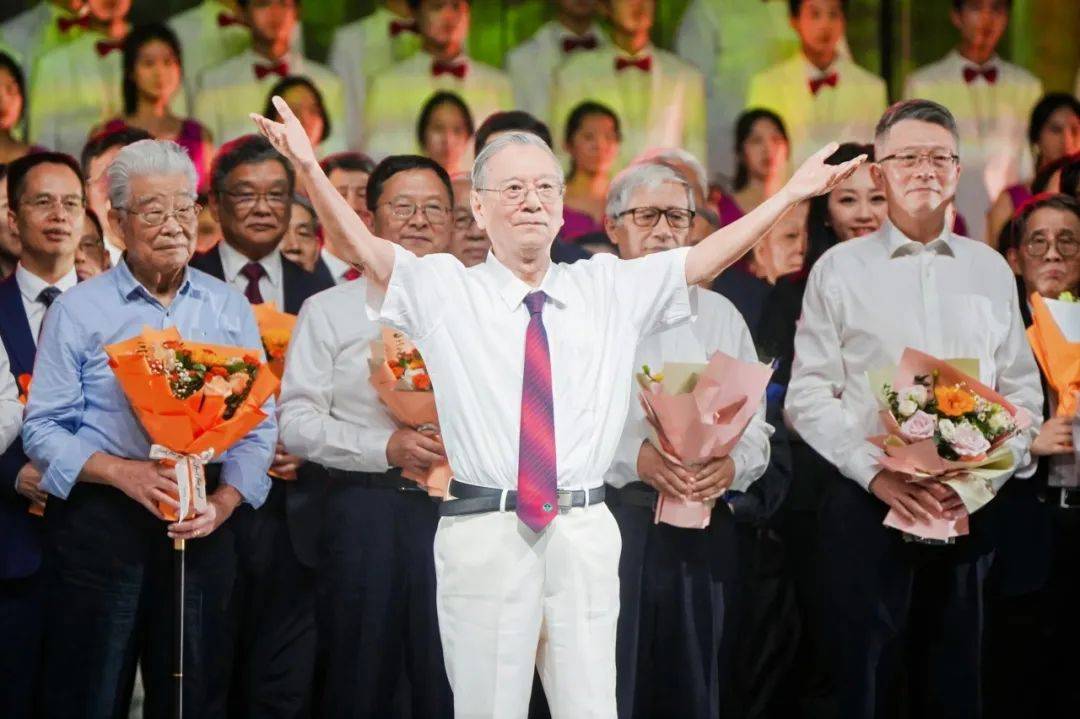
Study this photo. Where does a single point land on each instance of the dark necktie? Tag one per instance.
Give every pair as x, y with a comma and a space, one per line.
538, 500
457, 69
819, 82
642, 63
281, 69
254, 272
971, 73
48, 295
585, 42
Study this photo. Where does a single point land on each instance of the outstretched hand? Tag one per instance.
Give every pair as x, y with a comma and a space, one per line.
288, 136
816, 177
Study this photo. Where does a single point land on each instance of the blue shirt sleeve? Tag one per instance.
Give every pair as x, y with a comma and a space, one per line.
55, 409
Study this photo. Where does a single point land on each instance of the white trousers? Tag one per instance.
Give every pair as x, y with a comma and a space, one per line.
509, 600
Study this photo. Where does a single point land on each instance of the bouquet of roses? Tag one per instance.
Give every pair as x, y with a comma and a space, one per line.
943, 425
697, 413
275, 329
194, 400
400, 377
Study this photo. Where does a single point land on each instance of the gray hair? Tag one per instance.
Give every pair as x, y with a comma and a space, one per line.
303, 201
922, 110
498, 144
677, 156
647, 175
147, 157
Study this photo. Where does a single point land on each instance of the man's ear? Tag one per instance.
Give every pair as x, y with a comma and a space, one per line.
478, 209
1013, 258
116, 222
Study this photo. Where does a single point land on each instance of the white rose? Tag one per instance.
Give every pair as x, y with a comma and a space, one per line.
916, 393
907, 407
947, 429
1000, 422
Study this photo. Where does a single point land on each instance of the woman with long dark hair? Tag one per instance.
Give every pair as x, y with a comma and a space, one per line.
306, 101
591, 139
1054, 132
12, 110
761, 162
152, 75
443, 130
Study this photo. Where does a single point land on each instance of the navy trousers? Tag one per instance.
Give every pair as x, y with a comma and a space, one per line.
904, 620
110, 605
376, 602
676, 590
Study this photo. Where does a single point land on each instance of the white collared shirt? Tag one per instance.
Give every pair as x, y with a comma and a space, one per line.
717, 327
270, 284
992, 119
846, 112
337, 266
867, 300
532, 64
328, 412
30, 286
469, 325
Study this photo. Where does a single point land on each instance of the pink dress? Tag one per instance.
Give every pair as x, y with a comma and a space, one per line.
577, 224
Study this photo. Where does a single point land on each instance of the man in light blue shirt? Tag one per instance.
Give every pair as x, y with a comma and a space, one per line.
112, 584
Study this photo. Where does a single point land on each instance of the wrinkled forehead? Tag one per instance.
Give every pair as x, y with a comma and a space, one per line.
665, 195
915, 135
521, 162
148, 189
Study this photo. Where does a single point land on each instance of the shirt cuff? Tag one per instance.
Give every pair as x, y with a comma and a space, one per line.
861, 464
64, 469
371, 448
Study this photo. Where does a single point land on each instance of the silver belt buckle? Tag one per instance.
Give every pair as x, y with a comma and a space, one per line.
566, 499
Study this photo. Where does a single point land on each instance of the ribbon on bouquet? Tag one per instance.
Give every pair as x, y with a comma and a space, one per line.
190, 479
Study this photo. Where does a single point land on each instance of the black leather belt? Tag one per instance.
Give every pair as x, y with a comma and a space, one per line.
391, 480
470, 499
636, 494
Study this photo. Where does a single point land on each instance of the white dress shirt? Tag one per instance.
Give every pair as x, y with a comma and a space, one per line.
360, 51
230, 91
664, 107
396, 96
337, 266
532, 64
992, 119
30, 286
270, 284
717, 326
328, 412
469, 324
867, 300
11, 409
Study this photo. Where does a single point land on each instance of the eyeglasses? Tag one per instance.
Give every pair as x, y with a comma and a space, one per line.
157, 218
434, 213
1067, 247
649, 217
46, 203
910, 160
244, 201
514, 192
463, 218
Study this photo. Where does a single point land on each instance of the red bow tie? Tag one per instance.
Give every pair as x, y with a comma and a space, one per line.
642, 63
280, 69
971, 73
457, 69
224, 19
817, 83
399, 26
104, 47
585, 42
66, 23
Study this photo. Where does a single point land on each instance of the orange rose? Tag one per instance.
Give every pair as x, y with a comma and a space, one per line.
954, 401
422, 382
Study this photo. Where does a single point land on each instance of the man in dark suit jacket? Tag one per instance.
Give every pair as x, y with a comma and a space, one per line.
251, 189
47, 203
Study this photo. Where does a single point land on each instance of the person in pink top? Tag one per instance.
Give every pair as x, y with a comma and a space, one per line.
592, 141
152, 71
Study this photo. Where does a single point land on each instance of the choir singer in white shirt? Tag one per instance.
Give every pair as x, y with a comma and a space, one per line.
530, 363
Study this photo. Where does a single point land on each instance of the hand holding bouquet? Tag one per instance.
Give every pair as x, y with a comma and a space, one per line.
194, 400
943, 425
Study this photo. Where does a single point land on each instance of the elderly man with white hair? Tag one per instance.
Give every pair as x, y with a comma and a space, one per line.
111, 559
530, 360
677, 585
706, 219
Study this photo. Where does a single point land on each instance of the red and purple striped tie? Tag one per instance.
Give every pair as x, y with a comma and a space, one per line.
537, 499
